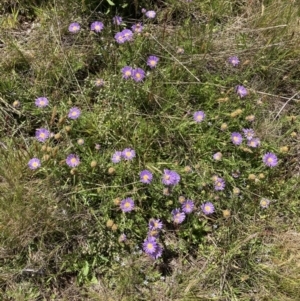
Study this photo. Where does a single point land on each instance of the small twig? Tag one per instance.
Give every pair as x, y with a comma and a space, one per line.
286, 104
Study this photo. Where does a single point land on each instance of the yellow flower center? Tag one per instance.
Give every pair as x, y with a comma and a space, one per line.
35, 164
150, 246
42, 135
138, 75
73, 160
145, 177
127, 205
128, 73
270, 160
207, 208
128, 154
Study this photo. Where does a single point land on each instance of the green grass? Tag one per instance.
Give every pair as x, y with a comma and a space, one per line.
60, 226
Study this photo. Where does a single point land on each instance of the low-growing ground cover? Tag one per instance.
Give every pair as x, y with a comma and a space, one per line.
149, 151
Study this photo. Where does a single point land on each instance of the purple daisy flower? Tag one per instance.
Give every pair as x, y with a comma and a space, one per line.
143, 10
178, 216
152, 61
74, 27
219, 184
170, 177
158, 252
199, 116
207, 208
234, 61
127, 205
241, 91
138, 74
41, 102
119, 37
127, 72
150, 14
72, 160
236, 138
137, 28
97, 26
254, 142
155, 224
146, 176
74, 113
188, 206
34, 163
149, 245
270, 159
127, 34
117, 20
248, 133
128, 154
217, 156
116, 157
264, 203
42, 134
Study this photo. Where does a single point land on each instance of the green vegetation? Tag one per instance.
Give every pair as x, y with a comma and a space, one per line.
62, 225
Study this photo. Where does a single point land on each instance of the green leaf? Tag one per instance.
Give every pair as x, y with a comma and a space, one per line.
110, 2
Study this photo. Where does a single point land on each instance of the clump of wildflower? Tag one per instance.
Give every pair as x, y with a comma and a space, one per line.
199, 116
241, 91
42, 102
170, 177
74, 113
143, 10
117, 20
116, 157
16, 104
234, 61
127, 205
248, 133
207, 208
178, 216
72, 160
74, 27
97, 26
188, 206
254, 142
152, 61
219, 183
80, 141
155, 224
128, 154
236, 138
127, 72
137, 28
138, 74
217, 156
150, 14
270, 159
264, 203
34, 163
99, 82
42, 134
146, 176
